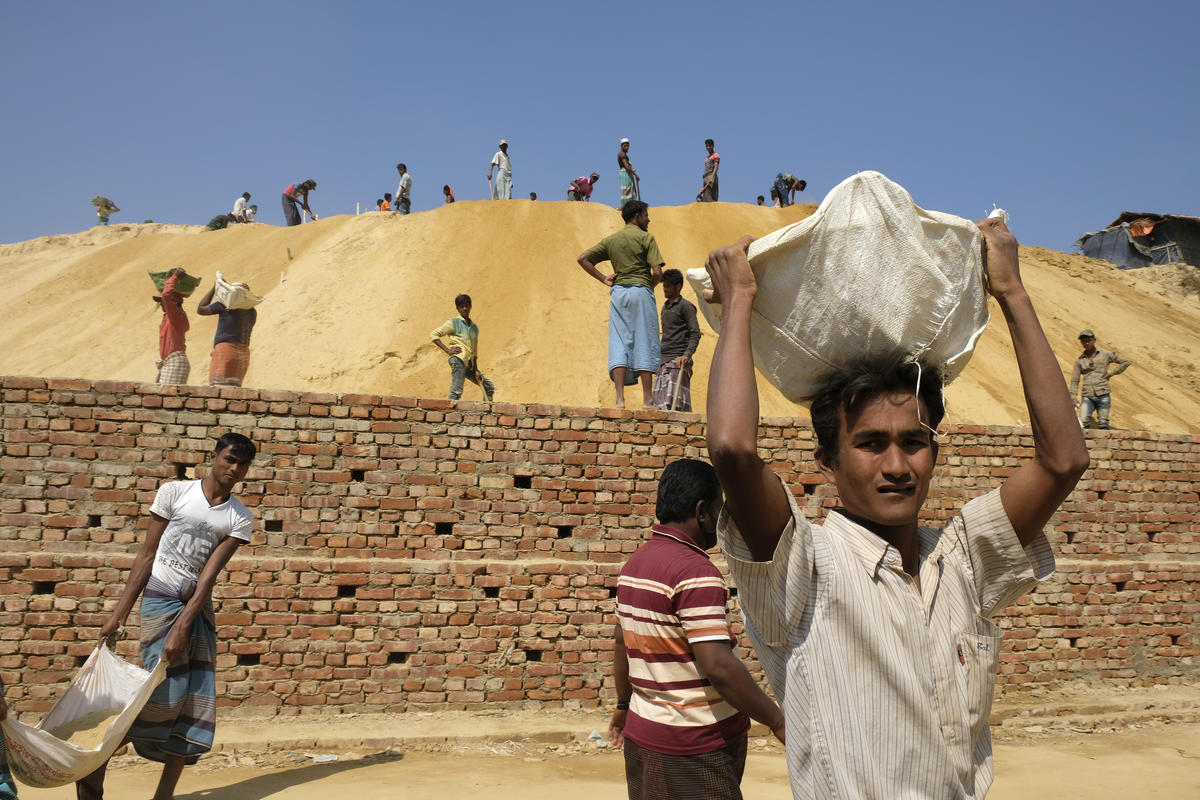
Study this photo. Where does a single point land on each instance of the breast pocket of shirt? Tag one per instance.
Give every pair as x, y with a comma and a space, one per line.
979, 660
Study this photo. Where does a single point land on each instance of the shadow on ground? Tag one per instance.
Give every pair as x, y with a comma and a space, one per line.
270, 785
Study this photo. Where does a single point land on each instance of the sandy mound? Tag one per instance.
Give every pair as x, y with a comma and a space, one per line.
351, 300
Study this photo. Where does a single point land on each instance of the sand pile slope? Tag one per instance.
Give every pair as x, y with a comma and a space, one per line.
351, 300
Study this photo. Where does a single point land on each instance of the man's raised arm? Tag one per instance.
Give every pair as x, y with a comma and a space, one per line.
1033, 493
754, 495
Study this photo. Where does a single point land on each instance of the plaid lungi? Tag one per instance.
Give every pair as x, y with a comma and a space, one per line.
180, 717
229, 364
716, 775
175, 368
670, 376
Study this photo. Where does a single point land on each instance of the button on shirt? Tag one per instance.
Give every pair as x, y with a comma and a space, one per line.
1094, 371
886, 688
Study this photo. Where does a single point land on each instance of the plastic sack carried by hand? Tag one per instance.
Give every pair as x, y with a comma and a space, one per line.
870, 273
234, 295
101, 702
185, 285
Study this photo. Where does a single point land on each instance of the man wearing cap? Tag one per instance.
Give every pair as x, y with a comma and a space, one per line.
581, 187
502, 188
627, 175
1093, 366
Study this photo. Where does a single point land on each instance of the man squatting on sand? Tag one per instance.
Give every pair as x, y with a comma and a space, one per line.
684, 729
194, 529
874, 631
680, 338
173, 365
633, 346
231, 343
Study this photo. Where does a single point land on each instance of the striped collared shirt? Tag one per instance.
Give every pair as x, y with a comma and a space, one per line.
669, 596
886, 689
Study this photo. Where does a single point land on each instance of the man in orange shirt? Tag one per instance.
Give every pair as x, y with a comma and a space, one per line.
173, 365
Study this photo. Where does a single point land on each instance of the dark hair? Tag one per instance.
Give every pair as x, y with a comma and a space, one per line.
851, 388
803, 185
387, 195
246, 195
445, 188
462, 300
242, 446
682, 485
760, 197
632, 209
709, 141
673, 277
402, 166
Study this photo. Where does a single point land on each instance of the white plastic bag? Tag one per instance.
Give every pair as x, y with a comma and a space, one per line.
869, 273
104, 683
234, 295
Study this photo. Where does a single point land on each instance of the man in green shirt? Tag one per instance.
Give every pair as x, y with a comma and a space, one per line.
633, 345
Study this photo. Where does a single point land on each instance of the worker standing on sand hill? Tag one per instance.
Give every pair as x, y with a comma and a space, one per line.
173, 365
104, 208
710, 190
684, 729
875, 632
1093, 366
297, 193
502, 188
463, 349
581, 187
785, 187
404, 190
195, 527
231, 344
447, 194
633, 347
680, 338
627, 175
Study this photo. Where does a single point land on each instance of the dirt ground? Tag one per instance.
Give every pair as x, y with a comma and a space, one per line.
1077, 743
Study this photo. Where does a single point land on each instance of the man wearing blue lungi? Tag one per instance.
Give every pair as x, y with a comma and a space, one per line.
633, 346
194, 529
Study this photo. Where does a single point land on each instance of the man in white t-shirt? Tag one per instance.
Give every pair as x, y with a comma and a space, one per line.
502, 188
194, 529
239, 208
404, 190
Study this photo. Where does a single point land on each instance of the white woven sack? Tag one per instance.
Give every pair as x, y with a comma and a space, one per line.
234, 296
869, 273
105, 681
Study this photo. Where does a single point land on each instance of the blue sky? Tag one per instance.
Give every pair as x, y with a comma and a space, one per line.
1065, 113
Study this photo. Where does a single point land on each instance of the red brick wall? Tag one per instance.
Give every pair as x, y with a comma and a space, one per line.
416, 553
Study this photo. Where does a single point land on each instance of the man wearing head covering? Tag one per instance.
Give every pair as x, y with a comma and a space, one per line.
627, 175
1093, 367
502, 188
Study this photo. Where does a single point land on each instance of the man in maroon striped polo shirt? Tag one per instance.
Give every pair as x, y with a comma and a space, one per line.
684, 700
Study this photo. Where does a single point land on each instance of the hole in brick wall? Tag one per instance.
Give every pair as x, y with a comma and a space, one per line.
347, 591
397, 658
1119, 585
491, 591
564, 531
533, 655
94, 520
1150, 536
1100, 494
523, 481
180, 472
358, 474
43, 587
612, 591
1175, 640
443, 528
248, 659
80, 661
1073, 638
273, 525
1070, 537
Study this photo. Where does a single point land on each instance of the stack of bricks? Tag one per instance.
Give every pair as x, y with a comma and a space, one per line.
421, 554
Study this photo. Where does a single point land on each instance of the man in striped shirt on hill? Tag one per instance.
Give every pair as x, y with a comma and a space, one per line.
684, 700
874, 631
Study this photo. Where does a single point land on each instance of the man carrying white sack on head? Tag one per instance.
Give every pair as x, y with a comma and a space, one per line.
874, 631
